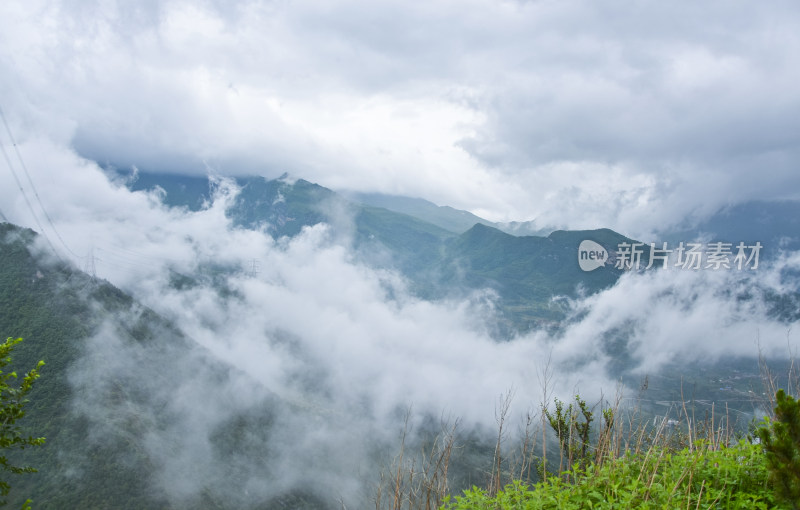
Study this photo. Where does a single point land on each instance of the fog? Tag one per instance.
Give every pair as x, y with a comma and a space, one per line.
575, 115
335, 349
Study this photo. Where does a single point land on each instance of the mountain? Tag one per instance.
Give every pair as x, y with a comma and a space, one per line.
526, 273
106, 399
446, 217
179, 190
56, 309
138, 415
775, 224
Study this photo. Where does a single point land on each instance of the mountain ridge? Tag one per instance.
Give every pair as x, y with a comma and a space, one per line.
527, 272
96, 412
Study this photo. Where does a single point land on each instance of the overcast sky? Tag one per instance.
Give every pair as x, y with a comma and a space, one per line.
625, 114
620, 114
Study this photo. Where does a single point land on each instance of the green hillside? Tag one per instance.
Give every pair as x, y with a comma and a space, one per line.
441, 257
53, 308
444, 216
97, 410
448, 218
280, 207
527, 272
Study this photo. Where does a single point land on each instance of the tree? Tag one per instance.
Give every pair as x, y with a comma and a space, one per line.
12, 408
572, 432
781, 441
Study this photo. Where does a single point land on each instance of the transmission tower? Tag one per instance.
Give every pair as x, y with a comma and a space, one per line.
89, 267
254, 269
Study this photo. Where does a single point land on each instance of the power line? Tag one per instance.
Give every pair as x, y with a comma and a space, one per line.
90, 267
28, 202
30, 181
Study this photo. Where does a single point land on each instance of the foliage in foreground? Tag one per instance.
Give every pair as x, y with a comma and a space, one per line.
781, 441
762, 473
732, 477
12, 408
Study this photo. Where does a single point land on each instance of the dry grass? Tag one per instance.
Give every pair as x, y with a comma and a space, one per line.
420, 481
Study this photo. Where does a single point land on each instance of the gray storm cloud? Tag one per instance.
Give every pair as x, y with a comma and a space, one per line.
643, 116
578, 114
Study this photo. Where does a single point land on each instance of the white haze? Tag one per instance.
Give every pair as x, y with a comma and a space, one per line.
579, 114
344, 342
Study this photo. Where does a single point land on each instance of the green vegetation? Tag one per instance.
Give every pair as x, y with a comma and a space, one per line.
572, 426
60, 311
526, 272
445, 217
781, 440
442, 252
56, 309
12, 408
98, 416
666, 467
281, 208
704, 476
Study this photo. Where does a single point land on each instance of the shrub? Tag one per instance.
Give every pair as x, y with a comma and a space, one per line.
781, 442
734, 477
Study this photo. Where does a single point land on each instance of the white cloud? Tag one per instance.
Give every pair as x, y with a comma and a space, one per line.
472, 105
579, 114
339, 339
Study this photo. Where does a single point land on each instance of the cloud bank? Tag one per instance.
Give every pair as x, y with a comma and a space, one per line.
576, 114
340, 349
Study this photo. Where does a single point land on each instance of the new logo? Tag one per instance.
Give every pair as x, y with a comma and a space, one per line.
591, 255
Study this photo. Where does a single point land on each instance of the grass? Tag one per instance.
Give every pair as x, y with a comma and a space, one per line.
627, 459
701, 476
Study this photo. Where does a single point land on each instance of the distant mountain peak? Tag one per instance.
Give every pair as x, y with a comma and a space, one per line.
441, 251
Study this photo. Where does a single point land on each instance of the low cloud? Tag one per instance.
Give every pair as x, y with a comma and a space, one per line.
339, 347
514, 110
